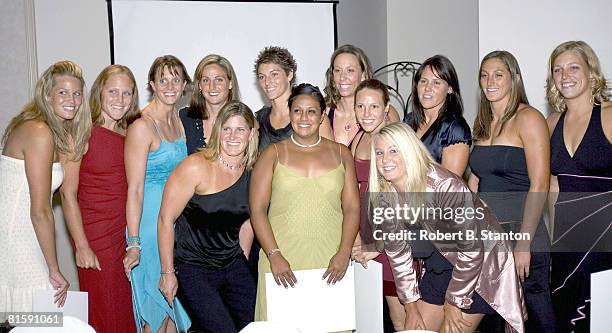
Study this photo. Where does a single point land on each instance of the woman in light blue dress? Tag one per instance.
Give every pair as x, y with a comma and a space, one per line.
154, 145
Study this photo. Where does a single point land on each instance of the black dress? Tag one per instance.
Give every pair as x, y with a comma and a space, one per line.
503, 185
215, 283
582, 242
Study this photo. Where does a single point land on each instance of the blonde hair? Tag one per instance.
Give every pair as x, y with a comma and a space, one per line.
598, 82
482, 124
70, 136
95, 97
233, 108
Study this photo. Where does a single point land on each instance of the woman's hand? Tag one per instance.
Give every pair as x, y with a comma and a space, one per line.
522, 260
414, 321
281, 270
453, 319
86, 258
168, 285
131, 260
61, 286
337, 267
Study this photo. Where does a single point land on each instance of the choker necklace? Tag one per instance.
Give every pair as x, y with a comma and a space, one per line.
305, 146
229, 166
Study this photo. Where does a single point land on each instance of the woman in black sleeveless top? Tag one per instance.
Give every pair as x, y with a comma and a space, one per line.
207, 249
510, 170
581, 167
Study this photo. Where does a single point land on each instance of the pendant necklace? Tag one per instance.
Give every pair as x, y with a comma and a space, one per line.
230, 166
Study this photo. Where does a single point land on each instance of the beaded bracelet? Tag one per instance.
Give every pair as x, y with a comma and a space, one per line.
273, 251
132, 239
133, 247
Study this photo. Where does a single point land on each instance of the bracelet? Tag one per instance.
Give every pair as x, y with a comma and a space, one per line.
167, 272
273, 251
133, 247
133, 239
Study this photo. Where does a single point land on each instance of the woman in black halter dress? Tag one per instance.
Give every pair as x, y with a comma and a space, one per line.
581, 170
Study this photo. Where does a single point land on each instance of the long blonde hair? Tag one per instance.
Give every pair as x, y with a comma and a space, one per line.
233, 108
70, 136
598, 82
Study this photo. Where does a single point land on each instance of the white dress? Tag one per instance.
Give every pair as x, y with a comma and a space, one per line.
22, 265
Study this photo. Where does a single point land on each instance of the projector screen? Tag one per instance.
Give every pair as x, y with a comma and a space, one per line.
142, 30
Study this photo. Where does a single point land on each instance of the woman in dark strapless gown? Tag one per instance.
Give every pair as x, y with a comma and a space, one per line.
581, 181
510, 170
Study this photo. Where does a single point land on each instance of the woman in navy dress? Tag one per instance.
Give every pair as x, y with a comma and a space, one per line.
581, 181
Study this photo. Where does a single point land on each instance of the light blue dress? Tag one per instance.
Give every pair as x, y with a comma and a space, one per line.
150, 306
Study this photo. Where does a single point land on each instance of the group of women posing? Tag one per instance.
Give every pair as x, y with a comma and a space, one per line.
163, 205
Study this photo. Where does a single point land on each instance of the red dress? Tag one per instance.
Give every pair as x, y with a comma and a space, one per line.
102, 195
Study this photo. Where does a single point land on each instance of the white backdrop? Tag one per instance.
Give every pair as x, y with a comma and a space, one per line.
532, 29
190, 30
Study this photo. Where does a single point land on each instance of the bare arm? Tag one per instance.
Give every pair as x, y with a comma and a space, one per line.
473, 182
350, 219
137, 145
85, 257
179, 188
38, 158
553, 192
455, 158
260, 192
246, 238
534, 135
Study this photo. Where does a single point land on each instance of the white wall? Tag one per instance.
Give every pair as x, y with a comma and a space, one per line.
419, 29
74, 30
530, 30
362, 23
14, 81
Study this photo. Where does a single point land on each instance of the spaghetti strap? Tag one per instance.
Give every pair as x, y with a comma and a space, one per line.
156, 127
340, 152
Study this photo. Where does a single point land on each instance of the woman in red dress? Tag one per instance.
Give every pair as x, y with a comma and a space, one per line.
94, 195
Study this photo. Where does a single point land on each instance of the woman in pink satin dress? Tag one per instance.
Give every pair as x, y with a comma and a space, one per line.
405, 178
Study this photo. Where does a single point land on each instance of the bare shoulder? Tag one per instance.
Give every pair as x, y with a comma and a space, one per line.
527, 114
34, 131
140, 128
194, 165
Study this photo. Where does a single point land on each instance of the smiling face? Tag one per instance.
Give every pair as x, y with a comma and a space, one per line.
389, 162
571, 75
235, 135
168, 88
347, 74
432, 90
495, 80
66, 97
370, 110
273, 80
116, 97
215, 84
306, 116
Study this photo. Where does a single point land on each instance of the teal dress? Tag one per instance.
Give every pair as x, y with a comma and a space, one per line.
150, 306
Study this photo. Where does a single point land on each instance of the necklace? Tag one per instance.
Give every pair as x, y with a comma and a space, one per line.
347, 127
230, 166
305, 146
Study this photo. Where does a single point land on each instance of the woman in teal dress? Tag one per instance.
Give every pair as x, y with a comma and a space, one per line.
154, 146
